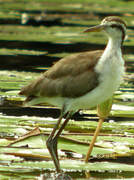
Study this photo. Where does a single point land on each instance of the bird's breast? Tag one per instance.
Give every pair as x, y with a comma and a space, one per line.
110, 76
111, 69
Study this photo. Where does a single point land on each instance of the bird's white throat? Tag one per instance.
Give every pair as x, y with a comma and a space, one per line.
111, 60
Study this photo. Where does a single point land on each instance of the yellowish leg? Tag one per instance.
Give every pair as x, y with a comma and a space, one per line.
94, 139
103, 111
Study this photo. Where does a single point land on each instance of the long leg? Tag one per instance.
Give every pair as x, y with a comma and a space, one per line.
103, 111
69, 115
52, 140
52, 146
94, 139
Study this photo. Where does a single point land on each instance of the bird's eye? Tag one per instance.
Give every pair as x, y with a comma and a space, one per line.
117, 26
114, 26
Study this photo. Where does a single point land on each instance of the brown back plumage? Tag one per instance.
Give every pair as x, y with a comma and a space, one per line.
72, 76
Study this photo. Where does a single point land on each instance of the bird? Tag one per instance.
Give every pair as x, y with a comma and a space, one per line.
80, 81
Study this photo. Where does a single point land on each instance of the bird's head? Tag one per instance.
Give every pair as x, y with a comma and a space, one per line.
112, 25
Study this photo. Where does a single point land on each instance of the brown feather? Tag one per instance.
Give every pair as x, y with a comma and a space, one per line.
72, 76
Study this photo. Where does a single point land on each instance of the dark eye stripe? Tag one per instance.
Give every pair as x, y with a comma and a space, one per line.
118, 26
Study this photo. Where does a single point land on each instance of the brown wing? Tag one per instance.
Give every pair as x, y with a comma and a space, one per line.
72, 76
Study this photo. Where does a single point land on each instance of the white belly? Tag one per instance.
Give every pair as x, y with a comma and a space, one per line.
104, 91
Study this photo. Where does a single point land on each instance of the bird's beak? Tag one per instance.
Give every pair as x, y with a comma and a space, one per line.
94, 28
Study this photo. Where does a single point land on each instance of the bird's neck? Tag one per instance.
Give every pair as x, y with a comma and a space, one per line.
114, 46
112, 55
